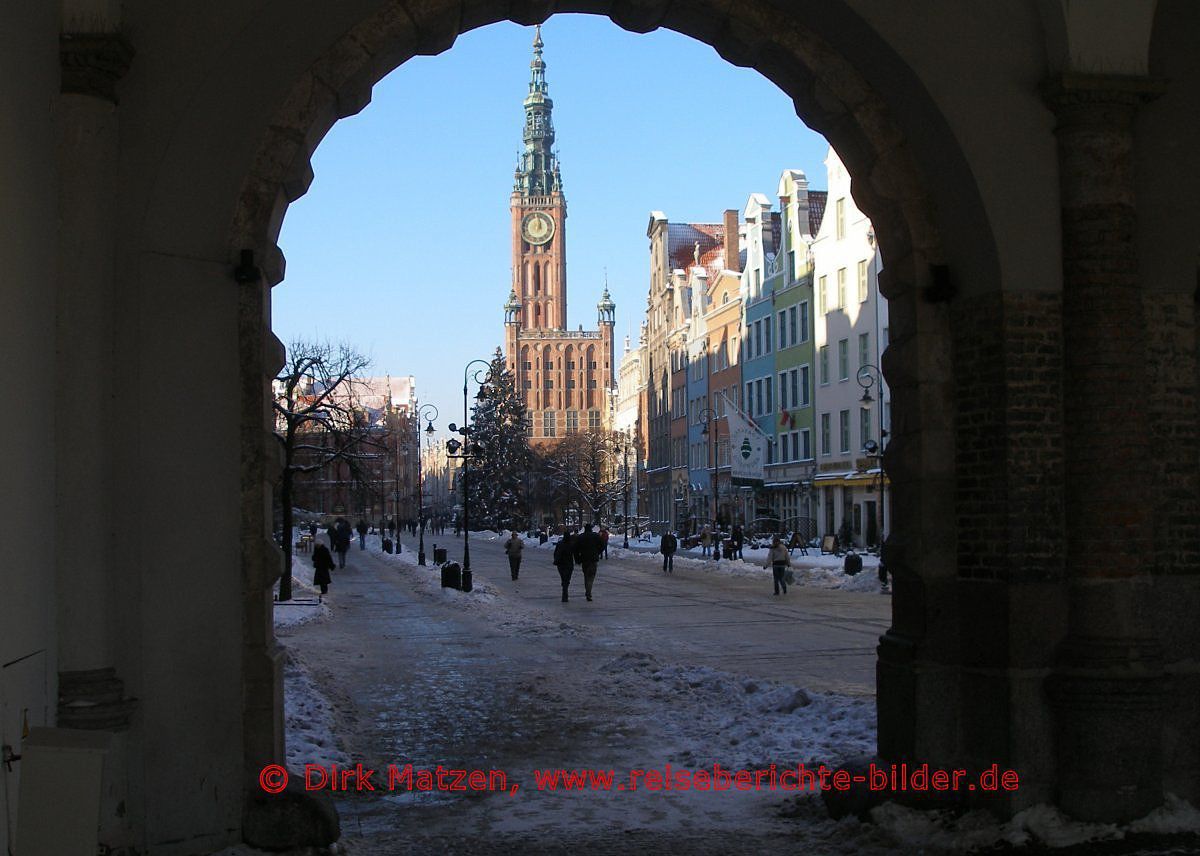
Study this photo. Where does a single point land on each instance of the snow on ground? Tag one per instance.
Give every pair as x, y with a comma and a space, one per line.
303, 606
310, 720
1040, 825
703, 716
483, 599
741, 722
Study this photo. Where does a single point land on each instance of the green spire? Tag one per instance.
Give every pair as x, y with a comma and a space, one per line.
537, 171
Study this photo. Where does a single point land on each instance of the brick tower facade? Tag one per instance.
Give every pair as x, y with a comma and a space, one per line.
566, 376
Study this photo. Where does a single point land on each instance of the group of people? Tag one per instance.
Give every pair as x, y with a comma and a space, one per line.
340, 536
710, 540
585, 549
779, 558
433, 525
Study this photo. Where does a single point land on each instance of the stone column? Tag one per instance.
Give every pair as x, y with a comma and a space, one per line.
1107, 685
90, 694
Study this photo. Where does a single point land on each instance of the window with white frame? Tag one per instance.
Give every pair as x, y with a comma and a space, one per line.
864, 426
822, 294
826, 438
844, 430
841, 288
843, 359
824, 355
806, 452
862, 281
548, 426
572, 421
805, 396
864, 349
841, 218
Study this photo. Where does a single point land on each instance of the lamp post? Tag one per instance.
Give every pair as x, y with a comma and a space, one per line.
708, 414
469, 449
625, 449
421, 413
869, 376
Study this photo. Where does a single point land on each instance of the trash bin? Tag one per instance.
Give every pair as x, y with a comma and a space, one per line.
853, 564
451, 575
387, 545
467, 585
439, 555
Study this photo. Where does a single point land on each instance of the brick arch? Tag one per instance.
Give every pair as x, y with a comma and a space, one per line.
816, 60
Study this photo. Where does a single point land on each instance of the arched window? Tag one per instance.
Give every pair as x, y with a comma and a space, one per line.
537, 279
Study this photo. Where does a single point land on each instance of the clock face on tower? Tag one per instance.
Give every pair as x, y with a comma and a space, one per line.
537, 227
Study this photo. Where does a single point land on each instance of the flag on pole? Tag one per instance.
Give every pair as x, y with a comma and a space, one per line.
747, 446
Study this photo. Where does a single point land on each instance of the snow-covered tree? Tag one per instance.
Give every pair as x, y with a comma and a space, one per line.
499, 444
318, 423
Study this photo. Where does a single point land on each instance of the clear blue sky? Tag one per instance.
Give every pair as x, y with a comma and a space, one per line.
401, 246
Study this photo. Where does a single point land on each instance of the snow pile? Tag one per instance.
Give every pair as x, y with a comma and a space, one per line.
310, 721
813, 571
742, 722
1039, 825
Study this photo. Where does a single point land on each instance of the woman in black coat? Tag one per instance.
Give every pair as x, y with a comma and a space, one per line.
322, 561
564, 560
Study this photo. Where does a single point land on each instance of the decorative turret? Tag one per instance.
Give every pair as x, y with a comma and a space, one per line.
606, 308
537, 171
512, 309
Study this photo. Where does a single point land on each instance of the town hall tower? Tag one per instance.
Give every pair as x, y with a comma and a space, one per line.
565, 376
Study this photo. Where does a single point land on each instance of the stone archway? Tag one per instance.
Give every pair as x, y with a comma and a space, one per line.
833, 98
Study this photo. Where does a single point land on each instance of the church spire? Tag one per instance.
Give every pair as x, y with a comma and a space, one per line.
537, 170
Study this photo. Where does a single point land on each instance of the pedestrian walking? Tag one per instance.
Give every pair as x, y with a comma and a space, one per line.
312, 529
342, 539
564, 560
737, 537
391, 527
778, 560
322, 565
512, 548
705, 541
587, 549
667, 546
604, 540
362, 530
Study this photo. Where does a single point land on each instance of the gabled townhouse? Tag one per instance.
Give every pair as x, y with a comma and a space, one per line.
852, 403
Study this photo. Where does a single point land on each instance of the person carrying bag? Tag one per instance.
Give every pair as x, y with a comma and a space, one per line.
779, 561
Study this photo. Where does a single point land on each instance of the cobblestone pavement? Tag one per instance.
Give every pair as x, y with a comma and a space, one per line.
414, 677
417, 676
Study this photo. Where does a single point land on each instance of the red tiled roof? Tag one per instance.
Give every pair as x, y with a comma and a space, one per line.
816, 209
681, 246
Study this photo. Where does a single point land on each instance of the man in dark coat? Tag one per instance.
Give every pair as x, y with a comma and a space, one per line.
738, 537
342, 541
362, 528
322, 565
587, 549
667, 546
564, 560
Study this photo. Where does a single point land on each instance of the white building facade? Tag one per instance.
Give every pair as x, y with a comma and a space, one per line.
853, 405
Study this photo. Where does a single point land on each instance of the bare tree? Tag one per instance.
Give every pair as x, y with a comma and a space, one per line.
319, 422
584, 467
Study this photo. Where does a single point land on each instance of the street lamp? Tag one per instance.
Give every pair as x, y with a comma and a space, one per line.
469, 450
625, 444
708, 414
421, 413
870, 376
